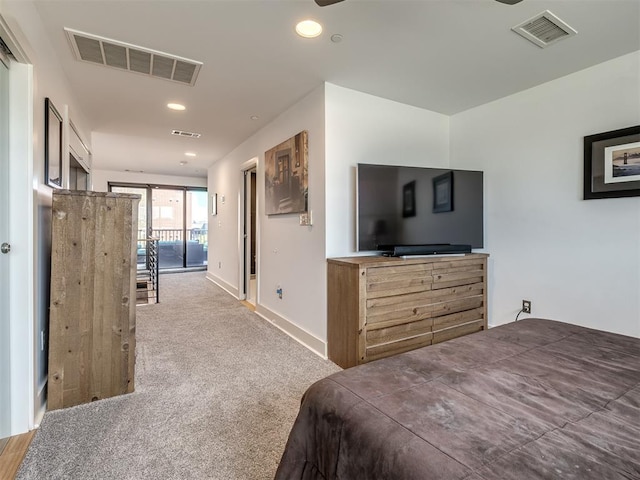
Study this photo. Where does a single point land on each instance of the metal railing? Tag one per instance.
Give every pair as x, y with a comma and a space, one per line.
176, 234
148, 277
174, 252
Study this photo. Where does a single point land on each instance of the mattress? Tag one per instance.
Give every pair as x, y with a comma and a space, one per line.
534, 399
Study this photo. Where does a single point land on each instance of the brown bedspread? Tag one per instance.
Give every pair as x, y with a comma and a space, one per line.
533, 399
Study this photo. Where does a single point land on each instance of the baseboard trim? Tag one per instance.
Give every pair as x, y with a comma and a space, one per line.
300, 335
227, 287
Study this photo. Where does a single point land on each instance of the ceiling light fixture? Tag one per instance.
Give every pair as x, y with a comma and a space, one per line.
308, 29
176, 106
190, 154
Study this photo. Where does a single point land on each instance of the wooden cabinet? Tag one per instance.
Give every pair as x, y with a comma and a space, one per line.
380, 306
93, 292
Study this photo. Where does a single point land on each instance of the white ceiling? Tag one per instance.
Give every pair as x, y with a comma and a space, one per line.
442, 55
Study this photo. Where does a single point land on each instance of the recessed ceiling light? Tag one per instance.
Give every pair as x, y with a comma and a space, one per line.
308, 28
190, 154
176, 106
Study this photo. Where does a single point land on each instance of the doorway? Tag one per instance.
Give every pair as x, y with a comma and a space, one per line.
249, 222
5, 344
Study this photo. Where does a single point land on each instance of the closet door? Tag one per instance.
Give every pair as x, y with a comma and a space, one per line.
5, 342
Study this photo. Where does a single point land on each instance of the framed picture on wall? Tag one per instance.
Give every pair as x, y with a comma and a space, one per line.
612, 164
286, 176
53, 145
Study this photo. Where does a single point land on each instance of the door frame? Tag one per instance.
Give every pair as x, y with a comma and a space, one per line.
244, 230
27, 395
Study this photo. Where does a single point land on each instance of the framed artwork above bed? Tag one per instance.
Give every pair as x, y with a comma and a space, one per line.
612, 164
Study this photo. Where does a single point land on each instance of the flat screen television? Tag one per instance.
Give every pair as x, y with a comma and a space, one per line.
418, 206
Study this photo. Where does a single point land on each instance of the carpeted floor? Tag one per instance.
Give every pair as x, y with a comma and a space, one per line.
217, 391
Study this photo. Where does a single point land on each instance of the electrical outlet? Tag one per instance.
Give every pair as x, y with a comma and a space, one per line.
219, 264
526, 306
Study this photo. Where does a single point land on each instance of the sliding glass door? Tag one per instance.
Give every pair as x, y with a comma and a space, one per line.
167, 219
197, 228
177, 217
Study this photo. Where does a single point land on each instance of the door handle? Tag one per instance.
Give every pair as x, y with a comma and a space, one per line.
5, 247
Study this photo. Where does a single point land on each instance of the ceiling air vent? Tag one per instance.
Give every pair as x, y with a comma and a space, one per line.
180, 133
112, 53
544, 29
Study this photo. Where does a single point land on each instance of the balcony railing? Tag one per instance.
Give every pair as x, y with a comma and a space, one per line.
176, 234
148, 280
171, 247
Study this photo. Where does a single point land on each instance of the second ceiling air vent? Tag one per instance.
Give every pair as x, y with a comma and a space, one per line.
124, 56
182, 133
544, 29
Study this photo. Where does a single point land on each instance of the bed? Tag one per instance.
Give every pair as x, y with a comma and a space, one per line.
532, 399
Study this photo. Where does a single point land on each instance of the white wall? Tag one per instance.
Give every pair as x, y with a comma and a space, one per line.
289, 255
31, 202
362, 128
578, 261
100, 179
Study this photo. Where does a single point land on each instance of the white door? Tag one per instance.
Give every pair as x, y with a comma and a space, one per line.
5, 398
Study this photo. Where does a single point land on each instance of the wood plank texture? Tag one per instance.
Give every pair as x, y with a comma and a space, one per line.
13, 454
92, 314
343, 307
397, 305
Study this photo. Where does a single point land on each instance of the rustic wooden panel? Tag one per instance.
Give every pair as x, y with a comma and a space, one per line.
456, 305
458, 331
399, 269
92, 317
422, 301
396, 317
398, 332
391, 289
447, 321
393, 348
343, 308
457, 265
362, 314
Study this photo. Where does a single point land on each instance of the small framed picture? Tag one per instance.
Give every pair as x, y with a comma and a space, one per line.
214, 204
53, 145
443, 193
612, 164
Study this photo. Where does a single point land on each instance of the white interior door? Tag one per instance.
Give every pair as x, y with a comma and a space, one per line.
5, 374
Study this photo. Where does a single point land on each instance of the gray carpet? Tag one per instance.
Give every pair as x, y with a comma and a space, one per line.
217, 391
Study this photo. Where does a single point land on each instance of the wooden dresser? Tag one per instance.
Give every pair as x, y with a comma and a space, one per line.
380, 306
93, 291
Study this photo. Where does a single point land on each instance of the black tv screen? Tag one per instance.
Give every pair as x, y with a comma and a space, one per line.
418, 206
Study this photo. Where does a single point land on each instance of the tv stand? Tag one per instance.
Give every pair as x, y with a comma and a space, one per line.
380, 306
425, 249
